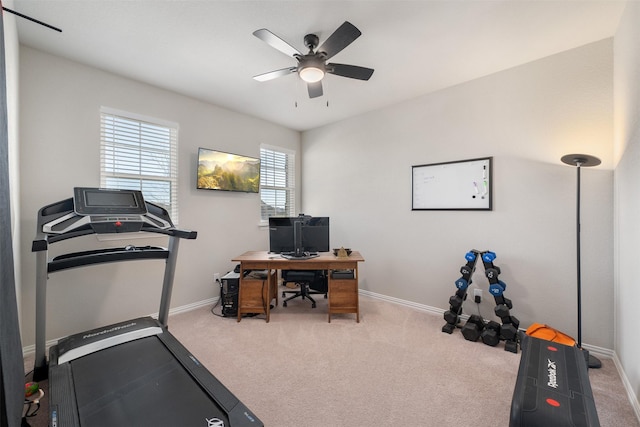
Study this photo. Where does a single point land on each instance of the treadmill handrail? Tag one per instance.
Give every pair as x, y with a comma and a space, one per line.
101, 256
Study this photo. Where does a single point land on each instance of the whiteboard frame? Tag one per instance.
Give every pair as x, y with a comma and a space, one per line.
417, 197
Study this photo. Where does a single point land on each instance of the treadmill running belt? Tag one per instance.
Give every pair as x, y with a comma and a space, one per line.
140, 383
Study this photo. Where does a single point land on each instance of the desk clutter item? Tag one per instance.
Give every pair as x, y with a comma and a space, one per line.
476, 327
342, 274
342, 252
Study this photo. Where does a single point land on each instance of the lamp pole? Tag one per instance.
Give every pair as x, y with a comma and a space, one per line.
579, 161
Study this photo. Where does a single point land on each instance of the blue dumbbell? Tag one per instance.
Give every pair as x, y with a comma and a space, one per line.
462, 284
470, 256
488, 256
496, 289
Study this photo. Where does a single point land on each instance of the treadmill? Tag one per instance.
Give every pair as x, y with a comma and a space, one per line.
135, 372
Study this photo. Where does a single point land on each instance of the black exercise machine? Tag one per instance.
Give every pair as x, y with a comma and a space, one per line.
134, 372
552, 387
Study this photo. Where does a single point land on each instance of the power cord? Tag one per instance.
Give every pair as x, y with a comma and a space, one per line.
219, 300
477, 299
33, 394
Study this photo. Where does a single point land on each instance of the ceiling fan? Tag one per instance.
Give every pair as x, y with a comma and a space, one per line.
313, 66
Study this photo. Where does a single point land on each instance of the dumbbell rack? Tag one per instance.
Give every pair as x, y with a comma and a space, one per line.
490, 332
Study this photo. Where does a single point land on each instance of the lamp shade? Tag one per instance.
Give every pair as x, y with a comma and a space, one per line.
311, 74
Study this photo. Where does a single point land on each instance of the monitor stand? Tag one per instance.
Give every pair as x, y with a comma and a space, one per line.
301, 256
299, 253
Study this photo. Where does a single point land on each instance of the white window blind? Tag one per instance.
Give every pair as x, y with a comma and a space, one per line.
277, 182
140, 153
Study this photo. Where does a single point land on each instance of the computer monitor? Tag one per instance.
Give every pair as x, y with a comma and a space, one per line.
298, 236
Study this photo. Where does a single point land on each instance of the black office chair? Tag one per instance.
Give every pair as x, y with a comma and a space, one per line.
311, 282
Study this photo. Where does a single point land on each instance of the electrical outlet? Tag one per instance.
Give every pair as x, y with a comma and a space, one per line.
216, 277
477, 295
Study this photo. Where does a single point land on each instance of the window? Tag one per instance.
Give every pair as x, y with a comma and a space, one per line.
277, 182
140, 153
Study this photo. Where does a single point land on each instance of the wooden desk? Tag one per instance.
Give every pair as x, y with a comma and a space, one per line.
342, 294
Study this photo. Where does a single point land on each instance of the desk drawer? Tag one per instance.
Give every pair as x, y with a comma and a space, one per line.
253, 295
343, 294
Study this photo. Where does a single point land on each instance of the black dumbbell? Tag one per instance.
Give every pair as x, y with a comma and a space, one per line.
473, 328
509, 331
491, 334
514, 321
448, 328
511, 346
502, 311
455, 302
492, 273
451, 317
465, 271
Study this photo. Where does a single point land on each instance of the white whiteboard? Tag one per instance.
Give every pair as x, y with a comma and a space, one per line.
464, 184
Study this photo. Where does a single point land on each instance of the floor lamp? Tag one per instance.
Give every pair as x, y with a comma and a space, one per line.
581, 160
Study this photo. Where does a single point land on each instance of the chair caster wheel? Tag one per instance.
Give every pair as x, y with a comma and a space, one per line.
284, 304
313, 306
283, 294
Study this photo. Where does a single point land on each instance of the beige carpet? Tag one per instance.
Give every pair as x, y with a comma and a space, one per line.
394, 368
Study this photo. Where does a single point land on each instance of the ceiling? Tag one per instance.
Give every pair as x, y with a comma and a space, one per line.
206, 50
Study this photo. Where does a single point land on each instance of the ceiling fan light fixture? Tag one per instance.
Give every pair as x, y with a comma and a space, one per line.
312, 66
311, 74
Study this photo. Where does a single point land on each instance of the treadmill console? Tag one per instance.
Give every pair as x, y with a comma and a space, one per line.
106, 211
108, 202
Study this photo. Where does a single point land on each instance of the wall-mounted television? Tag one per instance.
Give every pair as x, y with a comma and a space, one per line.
218, 170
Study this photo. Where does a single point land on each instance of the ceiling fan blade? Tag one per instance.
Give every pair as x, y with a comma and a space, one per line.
276, 42
351, 71
315, 89
341, 38
274, 74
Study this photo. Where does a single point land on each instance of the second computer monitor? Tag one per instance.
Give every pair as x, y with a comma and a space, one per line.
298, 234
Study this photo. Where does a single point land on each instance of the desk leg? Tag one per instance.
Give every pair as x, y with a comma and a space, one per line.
239, 295
267, 296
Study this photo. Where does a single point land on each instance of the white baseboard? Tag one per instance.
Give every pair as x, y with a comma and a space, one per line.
627, 386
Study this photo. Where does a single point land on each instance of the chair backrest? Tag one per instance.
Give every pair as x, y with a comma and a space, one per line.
316, 279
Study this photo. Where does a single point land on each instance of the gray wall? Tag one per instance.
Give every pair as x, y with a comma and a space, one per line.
358, 171
60, 102
627, 196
